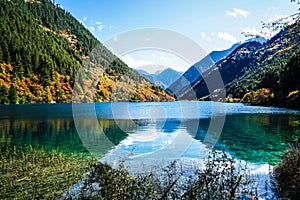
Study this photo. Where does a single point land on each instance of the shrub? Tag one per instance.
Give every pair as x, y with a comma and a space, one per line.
260, 97
286, 175
222, 178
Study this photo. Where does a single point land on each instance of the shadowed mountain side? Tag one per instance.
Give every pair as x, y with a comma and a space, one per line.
229, 67
195, 71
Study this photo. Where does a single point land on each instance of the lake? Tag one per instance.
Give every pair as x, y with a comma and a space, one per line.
152, 131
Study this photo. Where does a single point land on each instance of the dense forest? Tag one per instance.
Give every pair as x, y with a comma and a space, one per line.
42, 47
255, 73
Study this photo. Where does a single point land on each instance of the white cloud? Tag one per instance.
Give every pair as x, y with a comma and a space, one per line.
204, 36
236, 12
152, 61
133, 63
167, 57
92, 25
100, 26
92, 29
227, 37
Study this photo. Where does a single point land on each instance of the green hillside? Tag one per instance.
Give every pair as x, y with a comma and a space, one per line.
41, 49
275, 78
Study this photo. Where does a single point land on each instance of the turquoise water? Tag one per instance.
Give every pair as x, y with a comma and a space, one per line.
184, 129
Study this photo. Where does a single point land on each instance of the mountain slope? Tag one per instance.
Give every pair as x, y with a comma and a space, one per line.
162, 79
229, 67
261, 74
275, 80
218, 55
41, 50
194, 71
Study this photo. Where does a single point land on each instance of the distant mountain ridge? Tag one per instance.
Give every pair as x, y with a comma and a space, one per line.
195, 71
218, 55
261, 40
162, 78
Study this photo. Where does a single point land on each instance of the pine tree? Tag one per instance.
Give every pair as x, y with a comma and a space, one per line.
1, 55
3, 94
13, 96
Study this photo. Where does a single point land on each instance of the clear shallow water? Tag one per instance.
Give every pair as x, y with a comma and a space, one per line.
153, 130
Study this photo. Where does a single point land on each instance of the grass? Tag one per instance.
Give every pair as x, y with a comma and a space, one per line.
28, 173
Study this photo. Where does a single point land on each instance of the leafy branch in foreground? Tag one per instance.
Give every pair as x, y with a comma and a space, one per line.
222, 178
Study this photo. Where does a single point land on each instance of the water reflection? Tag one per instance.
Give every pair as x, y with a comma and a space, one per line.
257, 138
59, 134
49, 134
170, 126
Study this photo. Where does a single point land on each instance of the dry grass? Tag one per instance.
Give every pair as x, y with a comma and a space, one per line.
27, 173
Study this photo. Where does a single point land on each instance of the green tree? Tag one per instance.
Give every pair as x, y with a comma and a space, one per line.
13, 96
3, 94
1, 55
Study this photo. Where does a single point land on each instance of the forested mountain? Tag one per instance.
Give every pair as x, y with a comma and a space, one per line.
42, 48
261, 74
275, 78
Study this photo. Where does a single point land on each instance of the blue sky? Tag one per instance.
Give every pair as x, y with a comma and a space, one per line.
214, 25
